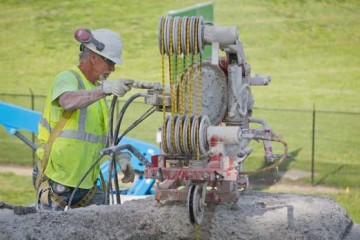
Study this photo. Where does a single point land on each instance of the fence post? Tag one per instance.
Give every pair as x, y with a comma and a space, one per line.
313, 145
32, 135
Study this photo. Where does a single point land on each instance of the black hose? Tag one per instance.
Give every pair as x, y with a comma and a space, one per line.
111, 137
122, 112
82, 179
110, 142
114, 143
116, 182
150, 111
109, 184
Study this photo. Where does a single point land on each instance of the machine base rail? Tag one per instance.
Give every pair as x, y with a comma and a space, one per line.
173, 190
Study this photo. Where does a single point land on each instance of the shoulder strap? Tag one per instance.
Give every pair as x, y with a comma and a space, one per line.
47, 147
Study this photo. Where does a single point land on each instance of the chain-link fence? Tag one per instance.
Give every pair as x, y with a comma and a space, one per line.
323, 145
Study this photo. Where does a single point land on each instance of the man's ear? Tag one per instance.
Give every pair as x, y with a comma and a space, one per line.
93, 57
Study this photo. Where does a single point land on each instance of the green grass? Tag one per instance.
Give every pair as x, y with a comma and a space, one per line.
16, 189
350, 202
310, 48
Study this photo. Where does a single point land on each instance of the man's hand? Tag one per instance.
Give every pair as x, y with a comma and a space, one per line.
117, 87
125, 166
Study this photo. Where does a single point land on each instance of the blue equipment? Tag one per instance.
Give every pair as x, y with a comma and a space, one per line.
15, 119
141, 186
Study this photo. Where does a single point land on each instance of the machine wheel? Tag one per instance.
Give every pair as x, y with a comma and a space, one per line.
196, 203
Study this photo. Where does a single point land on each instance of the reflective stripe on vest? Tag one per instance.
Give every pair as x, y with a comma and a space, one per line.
45, 124
88, 137
80, 134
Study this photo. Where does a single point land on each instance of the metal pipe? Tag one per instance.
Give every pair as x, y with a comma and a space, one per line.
274, 165
260, 80
260, 121
133, 150
313, 145
224, 35
32, 134
25, 140
267, 145
228, 135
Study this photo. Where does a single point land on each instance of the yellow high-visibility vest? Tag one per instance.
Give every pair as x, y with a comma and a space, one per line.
78, 144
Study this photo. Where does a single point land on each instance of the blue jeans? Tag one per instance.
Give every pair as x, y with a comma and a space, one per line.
98, 198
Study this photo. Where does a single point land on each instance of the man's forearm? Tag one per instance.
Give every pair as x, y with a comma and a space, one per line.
79, 99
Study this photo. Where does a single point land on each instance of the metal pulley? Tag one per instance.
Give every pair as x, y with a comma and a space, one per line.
184, 32
186, 134
196, 202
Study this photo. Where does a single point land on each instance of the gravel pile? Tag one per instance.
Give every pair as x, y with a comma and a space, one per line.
257, 215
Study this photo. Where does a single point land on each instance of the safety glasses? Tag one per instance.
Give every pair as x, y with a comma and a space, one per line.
108, 61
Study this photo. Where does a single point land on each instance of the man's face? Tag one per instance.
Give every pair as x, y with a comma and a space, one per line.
103, 67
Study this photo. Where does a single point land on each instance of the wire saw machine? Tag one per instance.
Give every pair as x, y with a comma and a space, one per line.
207, 106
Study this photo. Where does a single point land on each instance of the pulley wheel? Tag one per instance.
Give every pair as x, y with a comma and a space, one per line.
194, 132
175, 35
196, 206
168, 139
184, 34
190, 127
160, 34
192, 38
177, 122
204, 124
186, 124
200, 35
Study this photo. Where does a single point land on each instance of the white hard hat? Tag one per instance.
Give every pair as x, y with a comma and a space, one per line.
104, 42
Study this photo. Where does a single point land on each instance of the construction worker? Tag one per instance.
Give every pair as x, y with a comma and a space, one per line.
74, 124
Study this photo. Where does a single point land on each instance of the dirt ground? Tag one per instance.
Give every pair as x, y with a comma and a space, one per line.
19, 170
257, 215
